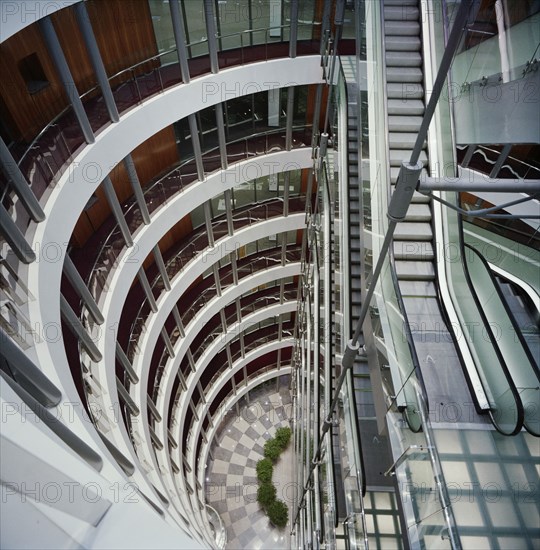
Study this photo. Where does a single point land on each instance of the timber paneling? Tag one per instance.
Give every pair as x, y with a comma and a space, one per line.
125, 36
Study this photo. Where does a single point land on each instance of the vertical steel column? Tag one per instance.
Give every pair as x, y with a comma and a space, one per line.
221, 136
78, 330
181, 379
327, 296
312, 435
143, 279
290, 117
301, 413
178, 320
229, 356
286, 182
238, 309
20, 184
316, 382
125, 362
500, 161
223, 320
293, 37
234, 267
82, 290
161, 268
284, 249
468, 155
180, 38
27, 374
191, 361
137, 189
208, 223
325, 26
242, 345
112, 199
54, 48
194, 131
228, 212
201, 391
167, 341
217, 280
95, 58
211, 32
15, 238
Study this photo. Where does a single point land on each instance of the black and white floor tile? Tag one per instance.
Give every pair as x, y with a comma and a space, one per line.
231, 479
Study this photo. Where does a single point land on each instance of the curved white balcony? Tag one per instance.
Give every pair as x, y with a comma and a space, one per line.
139, 391
225, 376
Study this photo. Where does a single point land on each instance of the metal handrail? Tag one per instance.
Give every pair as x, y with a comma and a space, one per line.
133, 67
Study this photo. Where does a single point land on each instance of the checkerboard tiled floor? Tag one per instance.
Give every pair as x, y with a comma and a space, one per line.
231, 479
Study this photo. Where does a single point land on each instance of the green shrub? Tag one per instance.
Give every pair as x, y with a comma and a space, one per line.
266, 494
265, 469
283, 436
278, 513
272, 450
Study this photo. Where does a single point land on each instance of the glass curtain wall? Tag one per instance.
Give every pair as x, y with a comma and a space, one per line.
239, 24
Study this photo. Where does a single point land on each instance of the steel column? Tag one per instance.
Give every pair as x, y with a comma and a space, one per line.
16, 240
112, 199
95, 58
177, 19
78, 330
82, 290
54, 48
20, 184
137, 189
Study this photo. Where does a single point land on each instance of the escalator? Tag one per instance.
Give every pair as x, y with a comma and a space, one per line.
413, 247
375, 449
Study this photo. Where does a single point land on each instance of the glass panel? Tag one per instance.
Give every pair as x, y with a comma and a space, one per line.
195, 22
163, 30
485, 53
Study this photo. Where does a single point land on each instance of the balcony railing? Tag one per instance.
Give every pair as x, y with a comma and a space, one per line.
58, 143
176, 181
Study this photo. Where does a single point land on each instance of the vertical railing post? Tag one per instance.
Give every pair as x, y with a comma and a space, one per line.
66, 79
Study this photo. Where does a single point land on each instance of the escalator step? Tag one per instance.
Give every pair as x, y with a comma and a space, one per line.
397, 156
404, 123
402, 140
409, 91
402, 28
401, 13
402, 43
403, 59
418, 213
413, 231
410, 250
404, 74
415, 271
417, 289
408, 107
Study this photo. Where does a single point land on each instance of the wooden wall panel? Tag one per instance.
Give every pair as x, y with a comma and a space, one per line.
125, 36
124, 32
30, 113
179, 231
156, 155
71, 40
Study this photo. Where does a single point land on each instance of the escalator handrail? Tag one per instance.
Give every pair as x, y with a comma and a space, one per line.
504, 367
